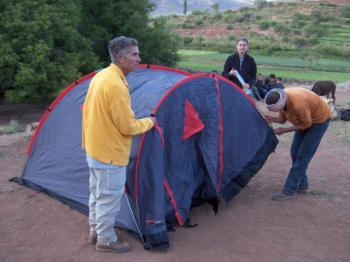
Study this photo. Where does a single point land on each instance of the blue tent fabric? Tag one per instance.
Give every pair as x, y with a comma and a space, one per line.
166, 173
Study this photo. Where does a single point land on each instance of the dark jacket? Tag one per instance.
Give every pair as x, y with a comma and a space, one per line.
247, 72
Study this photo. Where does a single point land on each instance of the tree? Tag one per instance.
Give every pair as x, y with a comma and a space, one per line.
100, 23
45, 44
260, 4
41, 50
215, 7
185, 7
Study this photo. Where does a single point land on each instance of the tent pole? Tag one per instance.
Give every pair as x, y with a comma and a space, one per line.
132, 214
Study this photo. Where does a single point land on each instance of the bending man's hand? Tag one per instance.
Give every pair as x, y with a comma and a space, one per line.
280, 131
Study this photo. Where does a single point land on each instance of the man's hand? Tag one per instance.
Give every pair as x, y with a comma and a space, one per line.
154, 120
269, 119
280, 131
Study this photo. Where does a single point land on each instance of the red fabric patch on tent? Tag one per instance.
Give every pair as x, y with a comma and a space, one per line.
192, 124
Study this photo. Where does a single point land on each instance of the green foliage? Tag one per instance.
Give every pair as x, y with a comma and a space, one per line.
41, 53
282, 28
187, 40
264, 24
260, 4
158, 46
346, 12
215, 7
314, 30
45, 45
11, 128
198, 22
331, 50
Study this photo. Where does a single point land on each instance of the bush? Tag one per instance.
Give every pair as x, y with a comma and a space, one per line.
299, 42
331, 50
282, 28
217, 17
187, 40
230, 18
264, 24
239, 19
260, 4
346, 12
316, 31
199, 12
198, 22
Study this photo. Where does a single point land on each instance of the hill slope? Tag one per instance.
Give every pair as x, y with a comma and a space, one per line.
166, 7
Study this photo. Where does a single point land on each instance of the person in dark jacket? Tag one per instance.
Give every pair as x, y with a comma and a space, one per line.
242, 63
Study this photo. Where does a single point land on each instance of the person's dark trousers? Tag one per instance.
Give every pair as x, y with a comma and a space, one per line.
304, 146
256, 93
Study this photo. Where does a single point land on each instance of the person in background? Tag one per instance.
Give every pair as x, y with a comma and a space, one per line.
242, 63
309, 116
258, 88
279, 83
270, 82
107, 128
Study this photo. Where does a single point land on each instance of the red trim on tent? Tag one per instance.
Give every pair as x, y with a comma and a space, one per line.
251, 100
173, 202
192, 123
53, 104
150, 221
137, 165
165, 69
160, 131
221, 131
165, 96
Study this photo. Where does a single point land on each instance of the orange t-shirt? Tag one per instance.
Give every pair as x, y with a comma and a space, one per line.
305, 108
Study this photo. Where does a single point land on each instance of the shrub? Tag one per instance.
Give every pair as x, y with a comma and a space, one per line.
217, 17
299, 42
198, 22
346, 12
282, 28
187, 26
326, 49
314, 30
187, 40
264, 24
260, 4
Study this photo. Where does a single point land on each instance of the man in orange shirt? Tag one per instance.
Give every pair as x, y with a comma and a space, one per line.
309, 115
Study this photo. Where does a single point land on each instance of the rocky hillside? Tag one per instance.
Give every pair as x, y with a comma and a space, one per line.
166, 7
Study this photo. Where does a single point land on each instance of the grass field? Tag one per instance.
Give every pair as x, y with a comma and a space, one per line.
286, 67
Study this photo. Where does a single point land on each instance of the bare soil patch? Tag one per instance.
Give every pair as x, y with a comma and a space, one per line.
312, 227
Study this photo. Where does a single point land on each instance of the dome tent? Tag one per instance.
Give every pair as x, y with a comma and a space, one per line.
208, 142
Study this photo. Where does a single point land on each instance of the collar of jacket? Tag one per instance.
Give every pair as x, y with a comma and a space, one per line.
119, 72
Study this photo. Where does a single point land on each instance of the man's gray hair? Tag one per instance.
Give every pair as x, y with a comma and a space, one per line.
120, 46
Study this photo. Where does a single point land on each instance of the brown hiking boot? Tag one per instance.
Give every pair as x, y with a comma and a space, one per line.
118, 246
93, 237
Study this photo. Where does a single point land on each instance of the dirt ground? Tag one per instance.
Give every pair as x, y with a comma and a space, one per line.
312, 227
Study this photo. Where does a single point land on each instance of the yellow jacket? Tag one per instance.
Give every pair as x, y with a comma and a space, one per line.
108, 120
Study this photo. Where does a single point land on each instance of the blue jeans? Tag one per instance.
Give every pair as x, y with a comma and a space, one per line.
304, 146
106, 190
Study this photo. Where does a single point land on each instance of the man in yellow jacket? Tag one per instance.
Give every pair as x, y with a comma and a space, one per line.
107, 129
309, 116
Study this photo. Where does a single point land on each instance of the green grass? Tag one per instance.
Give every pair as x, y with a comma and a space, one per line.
286, 67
